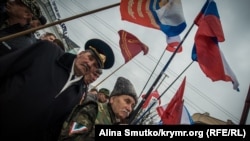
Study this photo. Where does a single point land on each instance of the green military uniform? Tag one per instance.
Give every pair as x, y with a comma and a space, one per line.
80, 124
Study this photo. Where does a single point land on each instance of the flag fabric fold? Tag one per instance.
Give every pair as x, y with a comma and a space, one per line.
170, 17
206, 49
138, 12
173, 112
166, 16
130, 45
151, 98
186, 118
173, 43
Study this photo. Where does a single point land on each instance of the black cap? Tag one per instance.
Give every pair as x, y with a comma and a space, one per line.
42, 20
102, 51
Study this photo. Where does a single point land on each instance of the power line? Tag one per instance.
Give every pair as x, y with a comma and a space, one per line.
146, 69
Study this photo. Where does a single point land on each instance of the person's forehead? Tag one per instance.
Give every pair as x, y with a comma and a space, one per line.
125, 96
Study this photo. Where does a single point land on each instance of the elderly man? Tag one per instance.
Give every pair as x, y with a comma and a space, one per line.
40, 86
80, 125
88, 79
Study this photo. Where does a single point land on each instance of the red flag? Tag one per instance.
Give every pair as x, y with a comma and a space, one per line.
130, 45
206, 49
138, 12
166, 16
186, 118
173, 112
154, 95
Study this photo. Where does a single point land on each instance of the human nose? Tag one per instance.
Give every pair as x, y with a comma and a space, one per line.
129, 107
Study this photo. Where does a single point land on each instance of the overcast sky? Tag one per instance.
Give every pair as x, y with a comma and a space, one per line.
201, 94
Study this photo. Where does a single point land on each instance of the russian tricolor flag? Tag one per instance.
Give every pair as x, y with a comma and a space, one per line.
169, 16
206, 49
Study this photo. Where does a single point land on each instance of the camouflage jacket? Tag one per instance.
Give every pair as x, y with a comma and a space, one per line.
80, 125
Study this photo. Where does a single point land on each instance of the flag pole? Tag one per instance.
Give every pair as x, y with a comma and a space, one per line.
152, 72
133, 115
246, 109
175, 80
56, 22
163, 92
157, 87
109, 75
165, 75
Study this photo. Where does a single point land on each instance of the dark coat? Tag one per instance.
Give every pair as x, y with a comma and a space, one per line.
30, 79
16, 43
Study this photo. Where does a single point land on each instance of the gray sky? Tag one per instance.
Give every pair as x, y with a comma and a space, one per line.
201, 94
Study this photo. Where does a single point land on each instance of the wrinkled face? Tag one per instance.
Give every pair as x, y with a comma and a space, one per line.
85, 63
91, 77
122, 105
16, 9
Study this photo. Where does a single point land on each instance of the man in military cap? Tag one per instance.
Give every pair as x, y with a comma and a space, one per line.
80, 125
41, 84
103, 95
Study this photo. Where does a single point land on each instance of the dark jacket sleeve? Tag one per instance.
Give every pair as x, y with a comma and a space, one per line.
80, 124
19, 60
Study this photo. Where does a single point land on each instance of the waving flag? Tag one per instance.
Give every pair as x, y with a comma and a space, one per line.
173, 43
173, 112
166, 16
138, 11
130, 45
153, 96
186, 118
206, 49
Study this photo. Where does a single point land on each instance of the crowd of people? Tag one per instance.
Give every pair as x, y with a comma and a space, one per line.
44, 90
